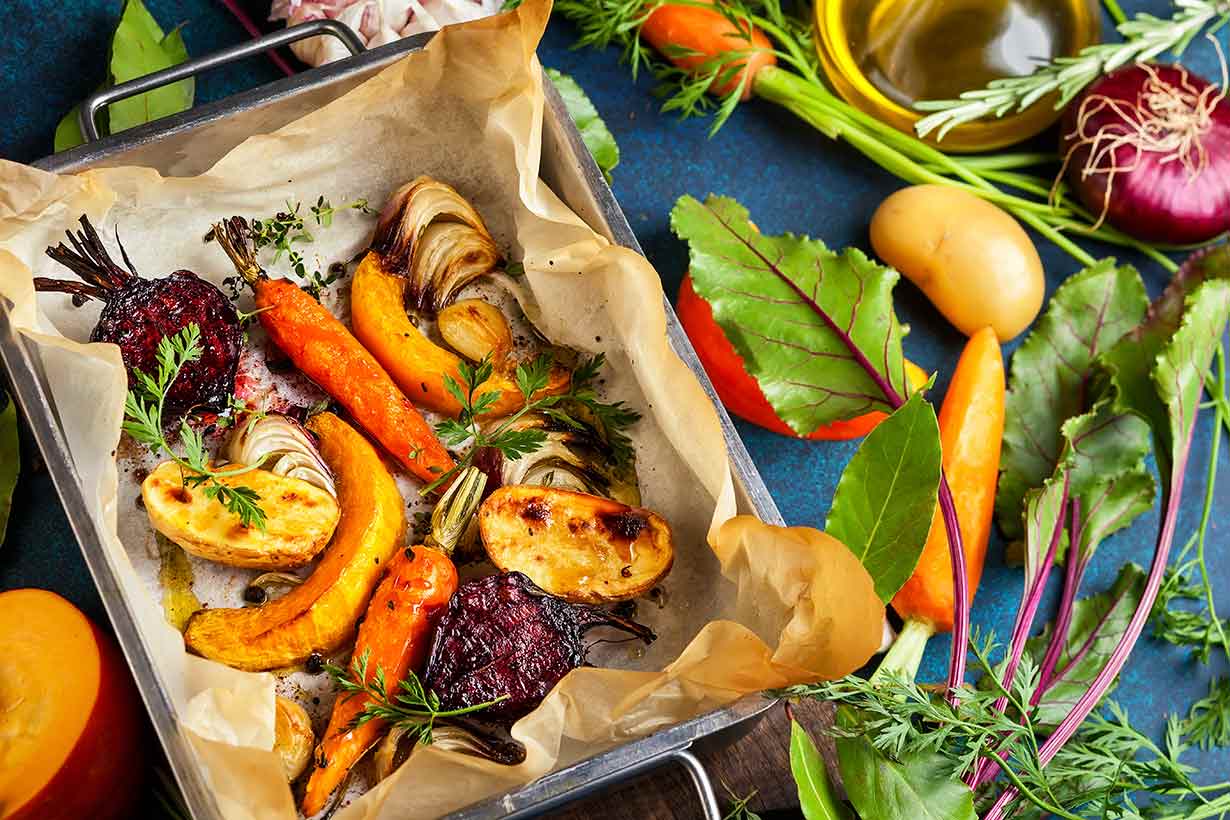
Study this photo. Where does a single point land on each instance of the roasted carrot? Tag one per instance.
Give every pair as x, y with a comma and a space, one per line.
691, 35
971, 431
394, 637
329, 355
396, 633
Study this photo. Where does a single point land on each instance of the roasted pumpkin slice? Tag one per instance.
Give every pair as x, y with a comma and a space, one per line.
321, 613
299, 519
579, 547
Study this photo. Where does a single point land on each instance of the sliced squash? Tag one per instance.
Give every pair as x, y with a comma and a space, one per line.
299, 519
321, 613
580, 547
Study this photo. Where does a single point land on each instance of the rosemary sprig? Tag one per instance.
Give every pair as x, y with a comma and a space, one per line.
1144, 38
612, 418
411, 706
143, 412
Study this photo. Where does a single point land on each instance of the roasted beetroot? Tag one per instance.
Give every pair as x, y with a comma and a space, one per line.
137, 313
503, 636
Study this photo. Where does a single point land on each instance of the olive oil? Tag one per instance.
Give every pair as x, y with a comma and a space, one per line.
885, 55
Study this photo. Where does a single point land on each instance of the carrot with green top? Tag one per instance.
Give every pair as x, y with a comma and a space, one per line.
328, 354
971, 432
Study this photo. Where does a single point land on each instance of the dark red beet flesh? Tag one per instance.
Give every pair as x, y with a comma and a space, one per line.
503, 636
138, 313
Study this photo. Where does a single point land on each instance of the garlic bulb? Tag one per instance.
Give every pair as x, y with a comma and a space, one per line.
376, 22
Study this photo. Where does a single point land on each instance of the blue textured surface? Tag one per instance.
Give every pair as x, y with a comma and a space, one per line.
789, 176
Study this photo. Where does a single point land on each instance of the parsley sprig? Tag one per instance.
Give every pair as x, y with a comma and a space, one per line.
143, 412
411, 706
286, 229
611, 418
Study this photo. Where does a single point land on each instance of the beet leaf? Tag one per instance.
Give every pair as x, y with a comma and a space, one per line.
816, 328
1050, 376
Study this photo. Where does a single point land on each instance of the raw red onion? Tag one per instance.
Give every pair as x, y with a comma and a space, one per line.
1147, 148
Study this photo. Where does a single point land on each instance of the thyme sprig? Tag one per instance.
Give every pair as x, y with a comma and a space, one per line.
1144, 38
531, 378
286, 229
411, 706
143, 412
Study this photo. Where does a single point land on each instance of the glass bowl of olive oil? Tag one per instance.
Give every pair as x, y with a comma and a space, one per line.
884, 55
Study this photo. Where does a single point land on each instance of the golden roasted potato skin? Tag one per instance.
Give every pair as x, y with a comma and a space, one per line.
971, 259
577, 546
320, 614
299, 519
293, 738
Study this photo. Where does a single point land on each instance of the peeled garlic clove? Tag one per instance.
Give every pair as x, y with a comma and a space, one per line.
292, 736
476, 329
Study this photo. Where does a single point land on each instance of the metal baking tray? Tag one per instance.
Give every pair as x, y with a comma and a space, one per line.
570, 171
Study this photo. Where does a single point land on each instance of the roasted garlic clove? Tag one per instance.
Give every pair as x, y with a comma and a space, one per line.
429, 233
476, 329
292, 737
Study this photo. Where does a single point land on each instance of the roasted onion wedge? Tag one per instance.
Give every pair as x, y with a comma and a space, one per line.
579, 547
299, 519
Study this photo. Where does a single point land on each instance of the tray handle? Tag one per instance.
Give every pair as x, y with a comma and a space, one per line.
681, 755
88, 114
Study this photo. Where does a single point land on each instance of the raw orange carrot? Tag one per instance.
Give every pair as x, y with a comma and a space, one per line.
691, 35
329, 355
394, 638
971, 431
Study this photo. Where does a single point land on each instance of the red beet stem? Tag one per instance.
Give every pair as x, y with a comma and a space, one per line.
252, 28
88, 258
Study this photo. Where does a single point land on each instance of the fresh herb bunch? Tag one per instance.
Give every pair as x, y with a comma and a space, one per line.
1145, 37
285, 229
411, 706
797, 84
612, 418
1101, 772
143, 412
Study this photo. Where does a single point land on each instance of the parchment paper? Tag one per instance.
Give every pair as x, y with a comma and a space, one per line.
746, 606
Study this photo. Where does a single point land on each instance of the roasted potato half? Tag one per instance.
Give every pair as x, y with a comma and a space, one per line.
299, 519
580, 547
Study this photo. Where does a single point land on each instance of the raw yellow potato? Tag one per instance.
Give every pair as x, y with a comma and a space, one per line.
299, 519
971, 259
321, 614
577, 546
292, 736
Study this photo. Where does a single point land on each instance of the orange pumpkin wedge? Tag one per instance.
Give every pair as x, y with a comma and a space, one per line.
71, 729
